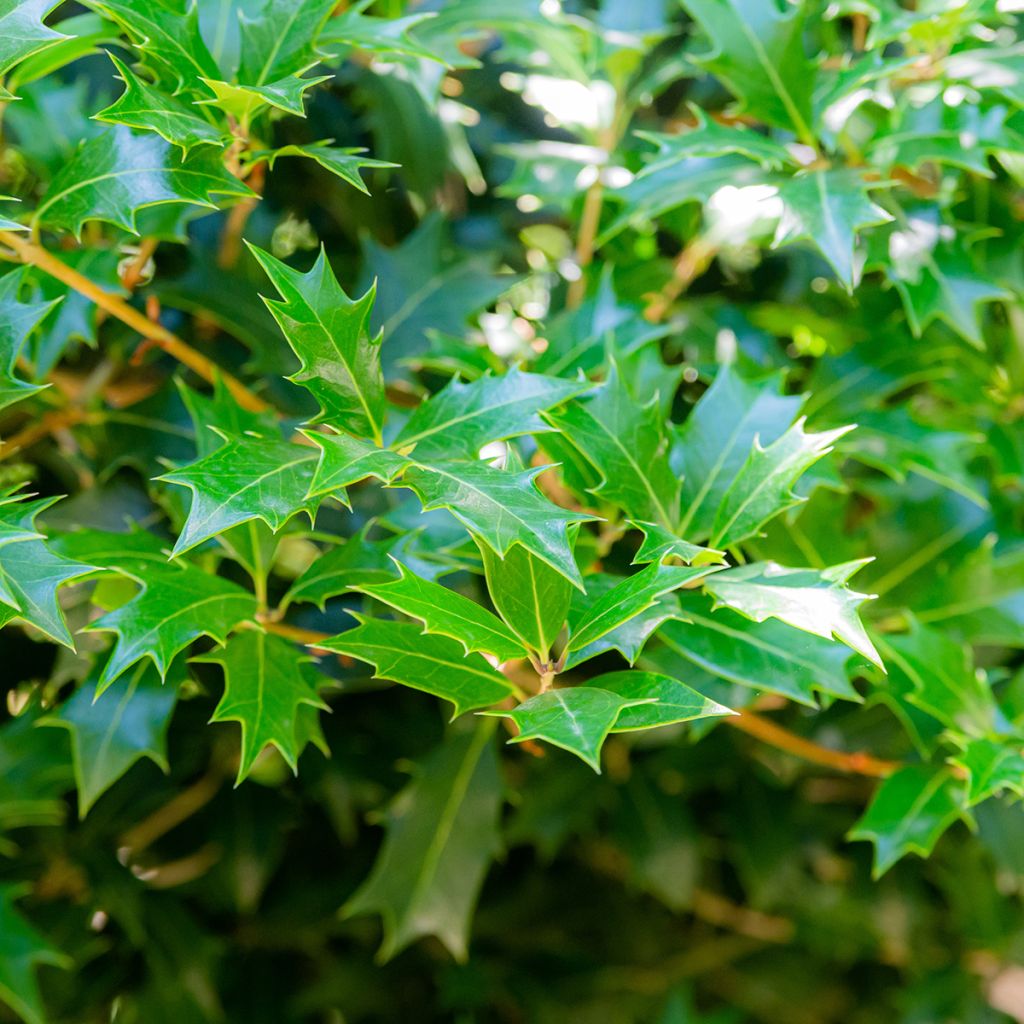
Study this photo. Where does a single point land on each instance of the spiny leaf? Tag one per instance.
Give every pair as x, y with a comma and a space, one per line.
674, 701
660, 544
990, 767
501, 508
909, 812
442, 832
447, 613
345, 460
146, 107
577, 719
17, 321
345, 163
328, 331
118, 174
267, 683
460, 419
763, 486
248, 478
815, 600
399, 651
22, 33
111, 733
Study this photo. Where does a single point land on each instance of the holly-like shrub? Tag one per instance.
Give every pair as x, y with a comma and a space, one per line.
500, 500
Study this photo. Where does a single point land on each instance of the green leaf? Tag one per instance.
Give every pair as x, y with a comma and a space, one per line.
715, 441
447, 613
709, 138
502, 508
991, 767
117, 174
249, 478
442, 833
939, 677
385, 36
628, 445
143, 106
22, 950
909, 812
167, 36
577, 719
110, 733
35, 772
267, 684
176, 605
31, 573
345, 163
759, 55
344, 566
218, 416
461, 418
762, 487
815, 600
828, 208
328, 331
346, 460
17, 321
278, 46
632, 596
769, 656
530, 596
435, 664
22, 33
660, 544
675, 702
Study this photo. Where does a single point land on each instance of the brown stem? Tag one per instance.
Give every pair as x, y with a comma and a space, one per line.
133, 272
37, 256
766, 731
49, 424
585, 242
689, 265
172, 814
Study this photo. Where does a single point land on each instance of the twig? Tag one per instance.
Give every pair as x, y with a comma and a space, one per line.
766, 731
49, 424
590, 220
689, 265
178, 809
133, 271
37, 256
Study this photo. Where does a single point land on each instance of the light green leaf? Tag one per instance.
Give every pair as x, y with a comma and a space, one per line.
111, 733
447, 613
762, 487
660, 544
117, 174
909, 812
435, 664
328, 331
267, 683
991, 767
385, 36
249, 478
577, 719
815, 600
345, 163
530, 596
674, 701
442, 832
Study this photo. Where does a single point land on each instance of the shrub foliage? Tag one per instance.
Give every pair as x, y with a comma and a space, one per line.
594, 570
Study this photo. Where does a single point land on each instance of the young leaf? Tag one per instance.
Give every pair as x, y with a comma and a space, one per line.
435, 664
815, 600
442, 832
267, 684
460, 419
248, 478
117, 174
715, 440
577, 719
674, 701
501, 508
112, 732
909, 812
530, 596
146, 107
759, 55
22, 950
328, 331
447, 613
627, 444
764, 656
345, 163
634, 595
762, 487
660, 544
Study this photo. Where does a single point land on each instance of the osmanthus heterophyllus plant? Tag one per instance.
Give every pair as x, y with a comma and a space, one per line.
705, 421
